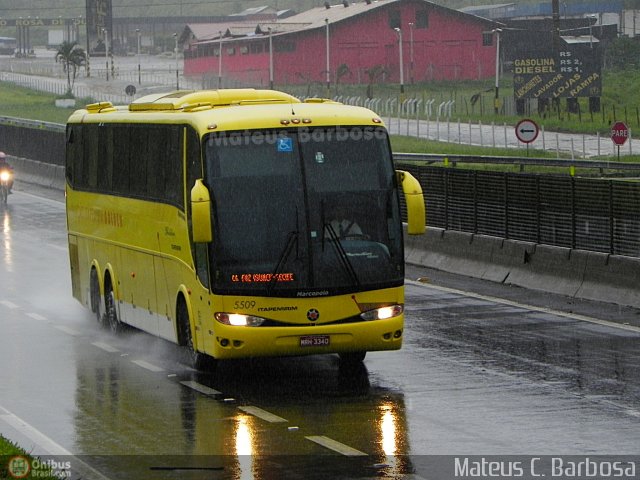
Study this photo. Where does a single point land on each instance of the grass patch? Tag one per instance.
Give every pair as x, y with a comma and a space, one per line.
22, 102
7, 451
416, 145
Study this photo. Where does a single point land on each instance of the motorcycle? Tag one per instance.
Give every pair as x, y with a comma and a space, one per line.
5, 182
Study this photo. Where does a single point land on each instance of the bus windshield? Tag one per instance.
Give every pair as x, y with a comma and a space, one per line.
303, 212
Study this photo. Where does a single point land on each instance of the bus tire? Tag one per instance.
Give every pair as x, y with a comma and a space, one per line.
351, 359
110, 312
190, 355
94, 296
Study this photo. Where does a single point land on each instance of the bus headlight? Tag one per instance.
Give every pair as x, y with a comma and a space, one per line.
383, 313
238, 319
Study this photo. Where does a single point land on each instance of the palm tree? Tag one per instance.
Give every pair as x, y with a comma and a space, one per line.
342, 71
72, 57
374, 74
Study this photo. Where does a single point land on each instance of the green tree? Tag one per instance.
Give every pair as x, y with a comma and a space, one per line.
622, 53
374, 73
72, 57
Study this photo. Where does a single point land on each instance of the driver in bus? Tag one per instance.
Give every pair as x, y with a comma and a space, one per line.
346, 228
4, 165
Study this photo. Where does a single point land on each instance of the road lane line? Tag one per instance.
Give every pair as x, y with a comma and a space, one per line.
105, 346
67, 330
198, 387
263, 414
550, 311
33, 434
147, 365
47, 444
36, 316
336, 446
9, 305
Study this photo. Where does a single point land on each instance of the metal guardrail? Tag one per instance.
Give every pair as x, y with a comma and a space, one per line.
431, 159
34, 124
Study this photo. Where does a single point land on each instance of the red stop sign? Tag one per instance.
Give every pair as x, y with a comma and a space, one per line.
619, 133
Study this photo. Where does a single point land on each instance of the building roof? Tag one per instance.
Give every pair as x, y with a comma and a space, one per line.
580, 39
308, 20
315, 17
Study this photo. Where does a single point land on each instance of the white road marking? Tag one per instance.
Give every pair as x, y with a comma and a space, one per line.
9, 304
37, 316
148, 366
198, 387
47, 444
67, 330
550, 311
105, 346
33, 434
336, 446
263, 414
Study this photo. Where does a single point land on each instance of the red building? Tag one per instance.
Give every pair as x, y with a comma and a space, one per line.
437, 44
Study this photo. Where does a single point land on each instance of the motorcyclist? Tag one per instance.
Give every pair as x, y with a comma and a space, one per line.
4, 165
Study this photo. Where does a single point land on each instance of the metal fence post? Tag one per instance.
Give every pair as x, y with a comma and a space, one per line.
611, 219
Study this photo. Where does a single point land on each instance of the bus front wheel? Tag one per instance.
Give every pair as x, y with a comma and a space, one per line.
350, 359
192, 357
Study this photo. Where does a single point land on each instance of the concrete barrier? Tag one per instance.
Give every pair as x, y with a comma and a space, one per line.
551, 269
574, 273
39, 173
611, 277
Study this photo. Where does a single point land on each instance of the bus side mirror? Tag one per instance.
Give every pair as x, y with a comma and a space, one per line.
201, 213
416, 217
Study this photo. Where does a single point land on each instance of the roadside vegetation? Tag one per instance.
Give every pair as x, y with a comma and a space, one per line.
7, 451
21, 102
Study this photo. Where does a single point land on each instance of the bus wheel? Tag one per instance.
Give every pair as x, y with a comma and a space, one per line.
352, 359
191, 356
94, 293
111, 315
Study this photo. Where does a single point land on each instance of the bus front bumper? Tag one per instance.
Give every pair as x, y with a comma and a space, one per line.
243, 342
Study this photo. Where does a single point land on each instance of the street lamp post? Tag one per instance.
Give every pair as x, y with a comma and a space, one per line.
270, 59
496, 101
106, 50
220, 60
139, 70
326, 21
175, 36
591, 17
411, 25
399, 32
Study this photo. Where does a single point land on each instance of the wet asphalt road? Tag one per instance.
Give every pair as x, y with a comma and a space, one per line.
476, 376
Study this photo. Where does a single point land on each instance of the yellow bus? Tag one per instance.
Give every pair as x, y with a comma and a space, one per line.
240, 223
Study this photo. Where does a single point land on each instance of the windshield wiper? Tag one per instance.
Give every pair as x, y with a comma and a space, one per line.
342, 254
292, 238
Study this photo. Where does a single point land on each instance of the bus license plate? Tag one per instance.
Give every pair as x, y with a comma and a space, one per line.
315, 341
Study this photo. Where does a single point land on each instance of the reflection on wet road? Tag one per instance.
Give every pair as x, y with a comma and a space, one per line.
475, 376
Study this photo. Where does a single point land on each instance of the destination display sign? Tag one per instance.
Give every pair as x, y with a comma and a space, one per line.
573, 72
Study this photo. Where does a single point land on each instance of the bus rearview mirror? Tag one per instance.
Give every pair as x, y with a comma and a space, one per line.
201, 213
416, 217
